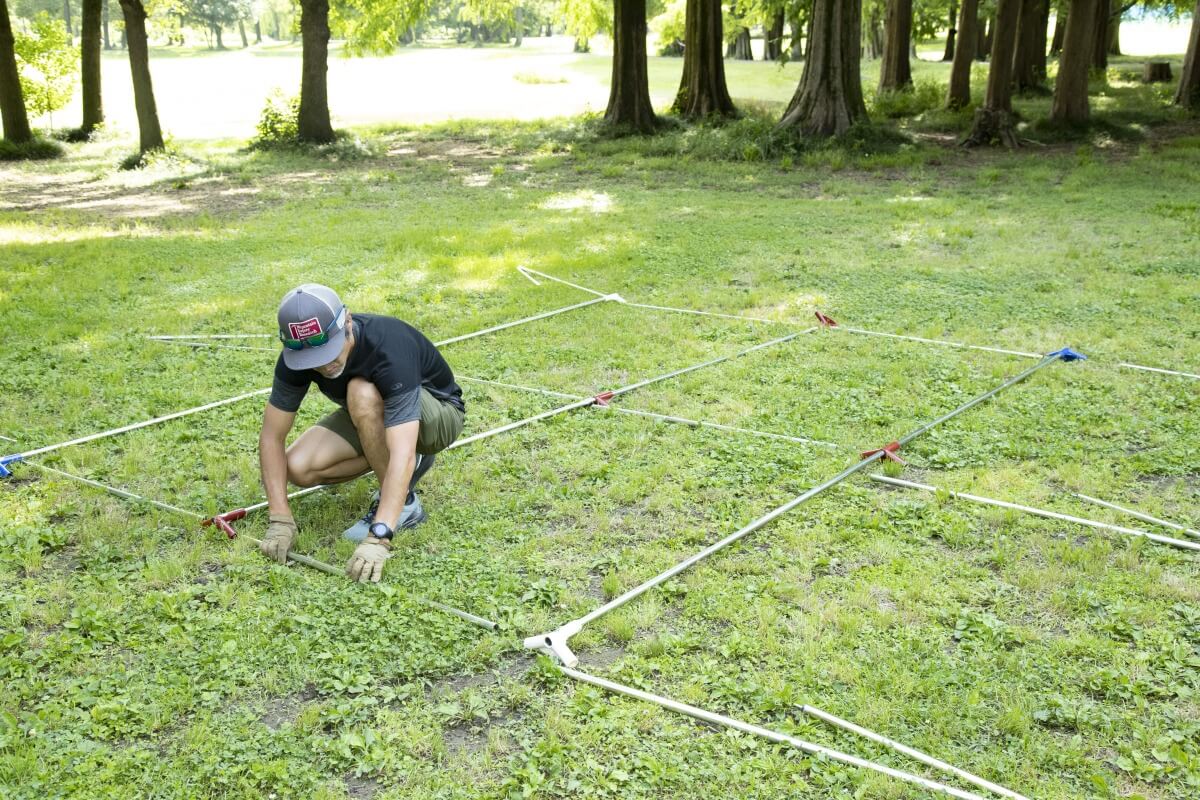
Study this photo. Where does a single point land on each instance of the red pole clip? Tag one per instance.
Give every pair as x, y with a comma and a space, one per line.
222, 521
889, 452
828, 322
603, 398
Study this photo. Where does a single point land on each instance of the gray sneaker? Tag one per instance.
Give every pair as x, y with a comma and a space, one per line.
358, 531
412, 516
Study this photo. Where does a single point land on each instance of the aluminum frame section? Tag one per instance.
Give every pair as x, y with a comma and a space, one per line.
1138, 515
556, 643
1040, 512
911, 752
766, 733
694, 423
860, 331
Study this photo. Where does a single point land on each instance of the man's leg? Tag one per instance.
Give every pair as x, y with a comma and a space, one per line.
323, 454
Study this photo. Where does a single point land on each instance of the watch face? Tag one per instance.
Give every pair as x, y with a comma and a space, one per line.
381, 531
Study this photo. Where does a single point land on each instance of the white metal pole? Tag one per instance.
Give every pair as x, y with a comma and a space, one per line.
1159, 370
695, 423
943, 342
136, 425
557, 642
1138, 515
523, 321
766, 733
1038, 512
924, 758
167, 338
529, 273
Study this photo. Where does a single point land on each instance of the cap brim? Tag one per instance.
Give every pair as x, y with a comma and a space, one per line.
314, 357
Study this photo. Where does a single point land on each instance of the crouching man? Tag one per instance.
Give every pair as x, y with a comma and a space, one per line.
398, 406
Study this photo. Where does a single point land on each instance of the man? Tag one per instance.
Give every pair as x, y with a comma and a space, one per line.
399, 405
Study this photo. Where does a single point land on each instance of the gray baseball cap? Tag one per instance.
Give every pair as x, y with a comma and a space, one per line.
307, 313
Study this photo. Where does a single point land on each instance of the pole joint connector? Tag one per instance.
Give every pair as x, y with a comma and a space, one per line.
1067, 354
889, 453
5, 461
603, 398
554, 644
826, 321
224, 521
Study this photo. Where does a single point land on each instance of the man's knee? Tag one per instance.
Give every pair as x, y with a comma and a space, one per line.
363, 399
301, 472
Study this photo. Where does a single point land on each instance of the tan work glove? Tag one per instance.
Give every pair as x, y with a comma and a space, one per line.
366, 565
280, 533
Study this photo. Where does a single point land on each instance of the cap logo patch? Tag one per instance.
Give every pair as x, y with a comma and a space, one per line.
305, 329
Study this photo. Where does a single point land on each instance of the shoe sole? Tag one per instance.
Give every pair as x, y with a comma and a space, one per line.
414, 522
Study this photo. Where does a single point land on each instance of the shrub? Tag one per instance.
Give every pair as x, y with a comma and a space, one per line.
279, 122
925, 95
37, 149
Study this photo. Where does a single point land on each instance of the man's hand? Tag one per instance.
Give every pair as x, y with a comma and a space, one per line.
366, 565
280, 533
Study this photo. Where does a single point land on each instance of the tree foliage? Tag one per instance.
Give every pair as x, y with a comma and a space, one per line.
48, 64
583, 19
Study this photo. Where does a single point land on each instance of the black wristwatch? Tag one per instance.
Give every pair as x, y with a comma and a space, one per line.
380, 530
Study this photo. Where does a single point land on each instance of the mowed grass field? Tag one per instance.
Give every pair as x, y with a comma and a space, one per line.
144, 656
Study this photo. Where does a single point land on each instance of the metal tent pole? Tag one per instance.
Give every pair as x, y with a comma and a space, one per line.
1139, 515
766, 733
556, 642
1038, 512
899, 747
694, 423
292, 555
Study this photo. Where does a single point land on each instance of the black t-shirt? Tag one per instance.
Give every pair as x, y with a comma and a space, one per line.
391, 354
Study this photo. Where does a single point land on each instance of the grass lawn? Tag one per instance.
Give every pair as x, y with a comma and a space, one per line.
142, 656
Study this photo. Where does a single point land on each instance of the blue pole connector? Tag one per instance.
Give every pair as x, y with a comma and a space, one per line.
1067, 354
5, 461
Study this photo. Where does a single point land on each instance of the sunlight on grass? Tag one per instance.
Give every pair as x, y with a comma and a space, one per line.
583, 200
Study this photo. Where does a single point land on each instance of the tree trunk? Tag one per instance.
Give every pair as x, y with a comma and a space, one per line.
951, 32
874, 35
242, 33
895, 72
959, 95
12, 102
629, 95
1114, 35
982, 39
257, 32
89, 65
276, 34
1060, 29
742, 48
67, 19
994, 120
1039, 43
1071, 88
220, 42
582, 45
314, 122
1100, 36
797, 39
150, 134
104, 24
519, 15
702, 91
829, 99
773, 40
1188, 94
1027, 55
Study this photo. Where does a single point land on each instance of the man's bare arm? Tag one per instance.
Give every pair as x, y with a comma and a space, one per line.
272, 458
402, 458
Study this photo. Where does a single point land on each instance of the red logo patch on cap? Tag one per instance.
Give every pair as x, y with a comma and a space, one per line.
305, 329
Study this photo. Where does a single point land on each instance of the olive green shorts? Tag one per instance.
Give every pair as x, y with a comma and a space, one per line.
441, 423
